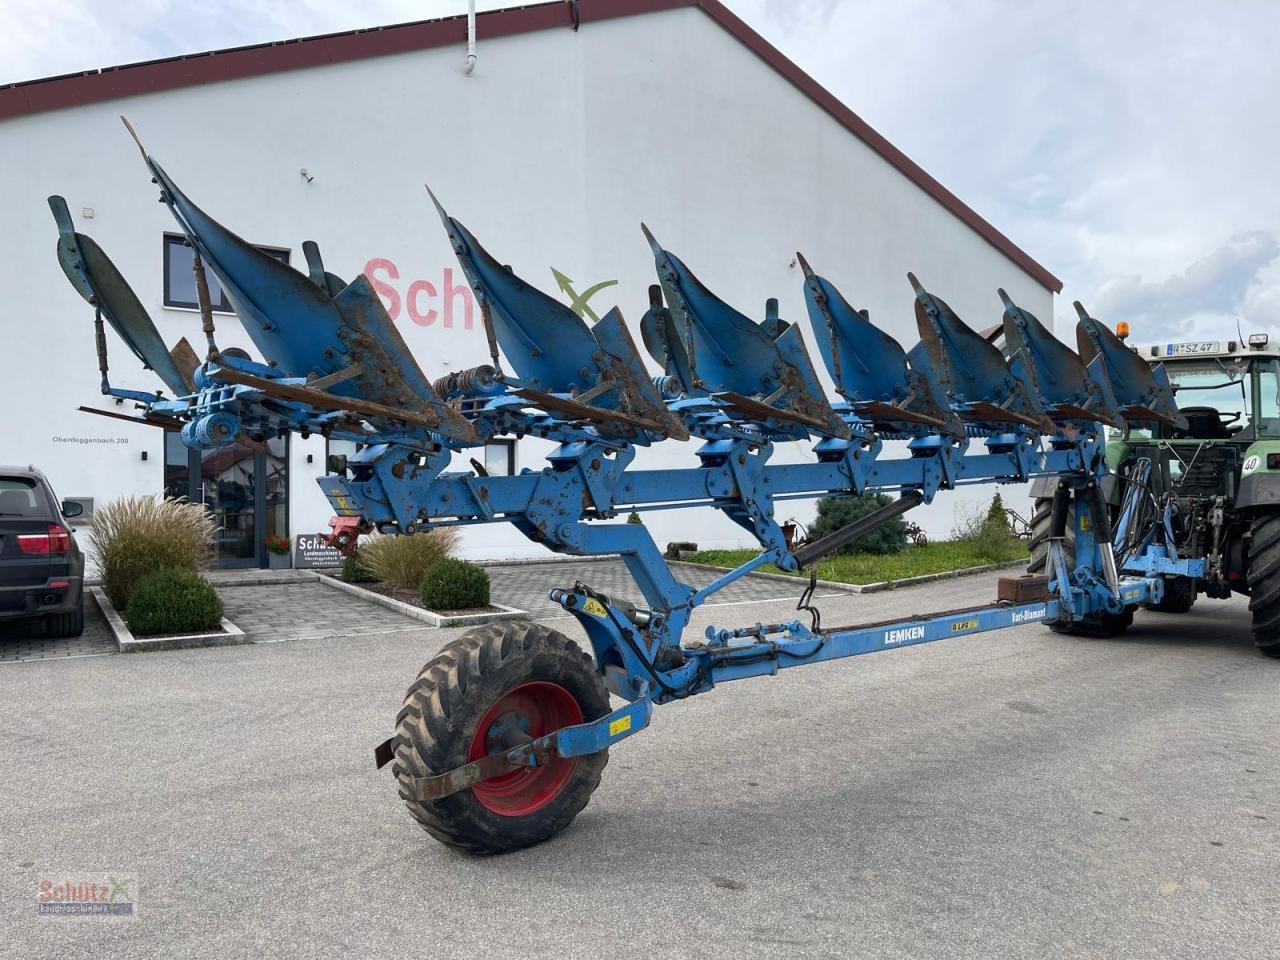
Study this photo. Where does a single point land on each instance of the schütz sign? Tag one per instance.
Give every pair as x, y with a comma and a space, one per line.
310, 550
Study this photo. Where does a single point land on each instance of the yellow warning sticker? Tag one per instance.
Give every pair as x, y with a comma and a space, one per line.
621, 725
1085, 524
593, 607
961, 625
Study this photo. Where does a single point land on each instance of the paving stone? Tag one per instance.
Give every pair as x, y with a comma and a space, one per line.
26, 640
305, 609
525, 586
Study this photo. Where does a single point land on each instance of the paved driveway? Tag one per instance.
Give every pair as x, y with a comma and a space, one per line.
525, 586
306, 610
1008, 795
26, 641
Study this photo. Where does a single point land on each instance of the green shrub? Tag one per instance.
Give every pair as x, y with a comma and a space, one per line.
135, 536
402, 561
988, 533
834, 513
455, 585
173, 600
996, 513
634, 517
353, 570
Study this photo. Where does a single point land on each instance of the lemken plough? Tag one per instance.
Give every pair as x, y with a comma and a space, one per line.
504, 734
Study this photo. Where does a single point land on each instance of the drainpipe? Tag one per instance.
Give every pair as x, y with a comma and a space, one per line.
470, 68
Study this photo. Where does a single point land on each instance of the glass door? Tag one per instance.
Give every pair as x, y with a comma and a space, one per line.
228, 488
245, 486
274, 470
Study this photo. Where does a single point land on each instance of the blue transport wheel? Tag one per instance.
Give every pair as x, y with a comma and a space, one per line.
463, 706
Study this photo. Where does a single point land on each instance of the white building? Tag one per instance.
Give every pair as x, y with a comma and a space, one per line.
552, 152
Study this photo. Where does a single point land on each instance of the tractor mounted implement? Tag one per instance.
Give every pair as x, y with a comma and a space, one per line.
503, 735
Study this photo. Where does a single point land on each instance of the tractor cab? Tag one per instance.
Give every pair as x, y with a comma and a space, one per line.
1229, 393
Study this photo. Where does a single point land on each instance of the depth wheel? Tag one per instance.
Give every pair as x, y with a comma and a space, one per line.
1264, 582
504, 678
1179, 596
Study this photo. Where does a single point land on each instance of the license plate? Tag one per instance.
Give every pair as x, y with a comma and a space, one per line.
1193, 349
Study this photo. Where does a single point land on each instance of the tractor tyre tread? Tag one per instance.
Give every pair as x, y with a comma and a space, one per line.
1264, 582
436, 725
1039, 542
1179, 596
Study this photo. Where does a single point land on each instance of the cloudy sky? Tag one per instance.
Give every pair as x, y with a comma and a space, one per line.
1130, 147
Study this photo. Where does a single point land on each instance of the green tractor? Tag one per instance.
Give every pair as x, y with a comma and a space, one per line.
1220, 476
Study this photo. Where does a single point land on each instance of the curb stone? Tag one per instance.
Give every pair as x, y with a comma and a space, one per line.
417, 613
126, 642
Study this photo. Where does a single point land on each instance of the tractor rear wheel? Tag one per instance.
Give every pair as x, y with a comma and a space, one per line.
487, 681
1039, 543
1096, 625
1179, 596
1264, 582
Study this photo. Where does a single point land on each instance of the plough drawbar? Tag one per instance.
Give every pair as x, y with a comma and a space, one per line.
503, 735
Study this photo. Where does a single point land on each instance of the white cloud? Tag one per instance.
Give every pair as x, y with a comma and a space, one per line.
1214, 289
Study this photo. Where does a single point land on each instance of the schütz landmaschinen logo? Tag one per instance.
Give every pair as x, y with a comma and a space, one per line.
83, 895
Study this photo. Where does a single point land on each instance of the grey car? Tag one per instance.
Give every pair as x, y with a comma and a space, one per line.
41, 566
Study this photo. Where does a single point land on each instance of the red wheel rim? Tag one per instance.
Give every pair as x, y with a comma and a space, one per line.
536, 709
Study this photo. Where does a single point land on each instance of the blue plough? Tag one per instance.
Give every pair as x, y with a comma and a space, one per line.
505, 731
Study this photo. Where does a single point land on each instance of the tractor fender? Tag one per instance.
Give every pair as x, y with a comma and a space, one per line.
1258, 490
1043, 487
1259, 485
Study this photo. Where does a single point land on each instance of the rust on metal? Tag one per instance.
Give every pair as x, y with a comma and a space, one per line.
186, 360
426, 789
582, 411
150, 420
1024, 589
327, 401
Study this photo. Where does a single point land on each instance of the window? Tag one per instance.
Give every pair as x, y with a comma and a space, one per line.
1215, 395
18, 498
500, 458
1268, 411
177, 466
180, 282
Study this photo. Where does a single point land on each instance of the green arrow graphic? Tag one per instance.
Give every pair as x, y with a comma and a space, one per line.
578, 301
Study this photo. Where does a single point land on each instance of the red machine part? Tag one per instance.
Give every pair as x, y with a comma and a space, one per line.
345, 533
